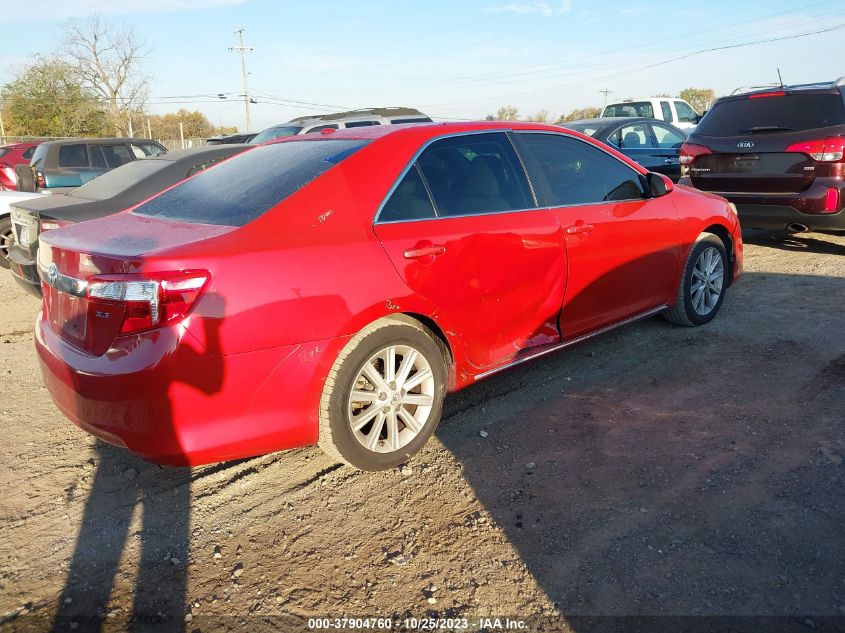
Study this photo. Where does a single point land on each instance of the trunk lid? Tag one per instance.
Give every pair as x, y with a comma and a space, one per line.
111, 247
753, 163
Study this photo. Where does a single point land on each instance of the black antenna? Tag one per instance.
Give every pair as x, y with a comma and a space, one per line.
780, 78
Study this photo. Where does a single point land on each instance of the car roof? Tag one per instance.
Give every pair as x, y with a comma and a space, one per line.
433, 130
113, 140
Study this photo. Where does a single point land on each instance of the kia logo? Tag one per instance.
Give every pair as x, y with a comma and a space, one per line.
745, 145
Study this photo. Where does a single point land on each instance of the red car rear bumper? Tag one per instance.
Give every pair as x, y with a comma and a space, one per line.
162, 396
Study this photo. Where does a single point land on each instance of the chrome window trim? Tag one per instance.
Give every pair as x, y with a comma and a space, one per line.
413, 162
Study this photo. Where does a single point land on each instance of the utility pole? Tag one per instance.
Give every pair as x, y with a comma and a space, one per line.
243, 51
605, 92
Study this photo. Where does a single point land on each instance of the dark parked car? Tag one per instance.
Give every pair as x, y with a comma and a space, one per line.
11, 155
64, 165
231, 138
653, 144
111, 193
778, 154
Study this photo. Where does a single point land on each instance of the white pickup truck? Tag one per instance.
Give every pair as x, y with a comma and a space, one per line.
675, 111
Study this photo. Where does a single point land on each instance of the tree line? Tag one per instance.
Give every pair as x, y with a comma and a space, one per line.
93, 84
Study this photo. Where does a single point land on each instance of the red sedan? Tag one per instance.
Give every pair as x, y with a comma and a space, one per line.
332, 288
11, 155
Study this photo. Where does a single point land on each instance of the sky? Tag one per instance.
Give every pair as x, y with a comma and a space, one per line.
450, 59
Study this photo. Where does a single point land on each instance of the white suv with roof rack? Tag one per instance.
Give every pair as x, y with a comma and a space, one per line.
341, 120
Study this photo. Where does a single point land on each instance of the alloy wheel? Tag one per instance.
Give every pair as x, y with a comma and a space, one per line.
7, 239
391, 399
708, 276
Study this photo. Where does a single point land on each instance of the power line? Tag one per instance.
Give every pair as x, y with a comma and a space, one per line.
651, 65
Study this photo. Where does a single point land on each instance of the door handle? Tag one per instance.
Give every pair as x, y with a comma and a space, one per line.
668, 161
580, 227
425, 251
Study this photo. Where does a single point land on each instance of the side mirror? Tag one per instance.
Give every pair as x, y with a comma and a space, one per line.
658, 184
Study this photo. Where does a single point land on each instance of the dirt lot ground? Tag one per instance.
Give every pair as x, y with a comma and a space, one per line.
656, 471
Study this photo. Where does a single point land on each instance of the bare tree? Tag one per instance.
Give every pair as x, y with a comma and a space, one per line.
543, 116
108, 60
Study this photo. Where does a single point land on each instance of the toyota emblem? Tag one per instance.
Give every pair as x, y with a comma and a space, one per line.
52, 274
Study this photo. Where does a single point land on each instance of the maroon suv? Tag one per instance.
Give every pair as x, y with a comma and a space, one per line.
777, 154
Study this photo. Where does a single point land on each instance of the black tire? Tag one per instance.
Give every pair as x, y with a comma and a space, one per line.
684, 311
24, 178
6, 240
337, 437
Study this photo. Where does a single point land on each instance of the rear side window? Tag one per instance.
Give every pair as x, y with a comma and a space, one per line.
475, 174
589, 129
73, 156
667, 111
409, 201
798, 112
29, 152
239, 190
635, 108
361, 123
418, 120
578, 173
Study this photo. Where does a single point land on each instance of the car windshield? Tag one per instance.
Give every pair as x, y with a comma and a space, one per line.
796, 112
239, 190
118, 180
276, 132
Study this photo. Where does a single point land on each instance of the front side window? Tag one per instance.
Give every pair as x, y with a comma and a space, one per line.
685, 113
666, 137
475, 174
73, 156
579, 173
241, 189
632, 137
142, 150
115, 155
409, 201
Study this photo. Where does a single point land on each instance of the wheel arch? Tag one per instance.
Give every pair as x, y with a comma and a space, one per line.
724, 234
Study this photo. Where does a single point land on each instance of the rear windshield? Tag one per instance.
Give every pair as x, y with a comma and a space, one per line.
276, 132
119, 180
589, 129
634, 108
239, 190
773, 114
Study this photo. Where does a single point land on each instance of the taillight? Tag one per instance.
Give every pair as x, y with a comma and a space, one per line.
149, 301
39, 179
49, 225
828, 150
691, 151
